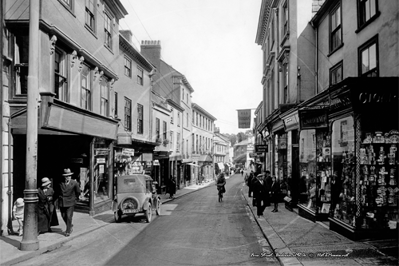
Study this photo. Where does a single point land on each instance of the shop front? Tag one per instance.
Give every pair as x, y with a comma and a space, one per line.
206, 169
68, 137
315, 164
291, 126
351, 160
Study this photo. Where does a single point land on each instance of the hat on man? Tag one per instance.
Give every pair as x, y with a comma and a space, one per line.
67, 172
19, 202
45, 181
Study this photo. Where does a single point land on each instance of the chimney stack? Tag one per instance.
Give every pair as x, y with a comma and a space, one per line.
127, 34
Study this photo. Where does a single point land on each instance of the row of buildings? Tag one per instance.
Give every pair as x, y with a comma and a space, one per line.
105, 108
329, 114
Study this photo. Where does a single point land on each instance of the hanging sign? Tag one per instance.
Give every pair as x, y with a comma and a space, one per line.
244, 118
128, 152
261, 148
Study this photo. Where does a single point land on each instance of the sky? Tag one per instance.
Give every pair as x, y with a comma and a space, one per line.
212, 43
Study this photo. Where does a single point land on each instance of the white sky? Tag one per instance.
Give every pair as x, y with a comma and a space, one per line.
211, 42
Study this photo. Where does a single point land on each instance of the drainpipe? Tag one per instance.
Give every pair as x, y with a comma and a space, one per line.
1, 115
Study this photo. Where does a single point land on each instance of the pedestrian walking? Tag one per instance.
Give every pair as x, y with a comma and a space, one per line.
47, 215
220, 183
250, 180
275, 191
172, 187
67, 194
18, 214
261, 194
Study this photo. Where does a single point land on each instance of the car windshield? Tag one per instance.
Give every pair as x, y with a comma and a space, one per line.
131, 184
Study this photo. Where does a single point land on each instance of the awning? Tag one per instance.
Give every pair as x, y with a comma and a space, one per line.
221, 166
193, 164
205, 158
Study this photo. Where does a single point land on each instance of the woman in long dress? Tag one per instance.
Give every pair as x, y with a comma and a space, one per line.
220, 183
47, 215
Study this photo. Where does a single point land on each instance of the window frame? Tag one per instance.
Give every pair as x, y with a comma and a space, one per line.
140, 118
140, 76
63, 74
337, 29
88, 90
104, 98
164, 130
362, 21
92, 13
285, 22
108, 33
69, 6
333, 71
115, 104
18, 65
372, 41
128, 114
157, 128
127, 68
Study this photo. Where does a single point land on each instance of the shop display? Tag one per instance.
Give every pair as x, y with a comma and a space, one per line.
379, 180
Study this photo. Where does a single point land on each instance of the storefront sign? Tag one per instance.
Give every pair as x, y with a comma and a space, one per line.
128, 152
291, 122
101, 151
124, 139
311, 119
244, 118
100, 160
77, 160
252, 155
261, 148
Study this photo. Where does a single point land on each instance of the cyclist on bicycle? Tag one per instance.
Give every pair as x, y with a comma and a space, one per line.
220, 183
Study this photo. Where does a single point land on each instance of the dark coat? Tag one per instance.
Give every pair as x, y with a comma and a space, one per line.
67, 194
172, 186
47, 216
261, 191
275, 191
220, 183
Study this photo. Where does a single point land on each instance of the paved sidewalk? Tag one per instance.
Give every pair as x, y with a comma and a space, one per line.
83, 224
298, 241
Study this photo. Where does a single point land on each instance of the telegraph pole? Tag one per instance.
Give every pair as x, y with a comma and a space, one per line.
29, 240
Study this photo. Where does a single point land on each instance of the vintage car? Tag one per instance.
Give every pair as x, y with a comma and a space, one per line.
135, 194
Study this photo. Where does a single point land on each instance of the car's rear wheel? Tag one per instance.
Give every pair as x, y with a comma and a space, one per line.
148, 213
118, 216
158, 207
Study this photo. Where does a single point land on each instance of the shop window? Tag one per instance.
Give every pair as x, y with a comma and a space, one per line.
335, 28
140, 76
60, 75
140, 119
21, 57
368, 57
128, 67
85, 82
108, 30
379, 191
367, 11
104, 97
336, 73
307, 160
343, 170
128, 115
91, 15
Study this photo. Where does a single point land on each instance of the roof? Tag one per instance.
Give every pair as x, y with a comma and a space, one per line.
202, 110
136, 55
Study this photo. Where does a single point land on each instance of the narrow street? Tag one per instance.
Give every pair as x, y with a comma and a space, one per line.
193, 230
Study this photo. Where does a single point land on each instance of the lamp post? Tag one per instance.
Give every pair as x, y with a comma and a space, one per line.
29, 240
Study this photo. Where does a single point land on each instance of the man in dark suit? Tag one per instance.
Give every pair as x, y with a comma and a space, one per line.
68, 192
261, 194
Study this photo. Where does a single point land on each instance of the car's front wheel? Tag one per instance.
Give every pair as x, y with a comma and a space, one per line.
148, 213
158, 207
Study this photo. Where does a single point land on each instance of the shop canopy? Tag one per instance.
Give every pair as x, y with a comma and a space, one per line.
193, 164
